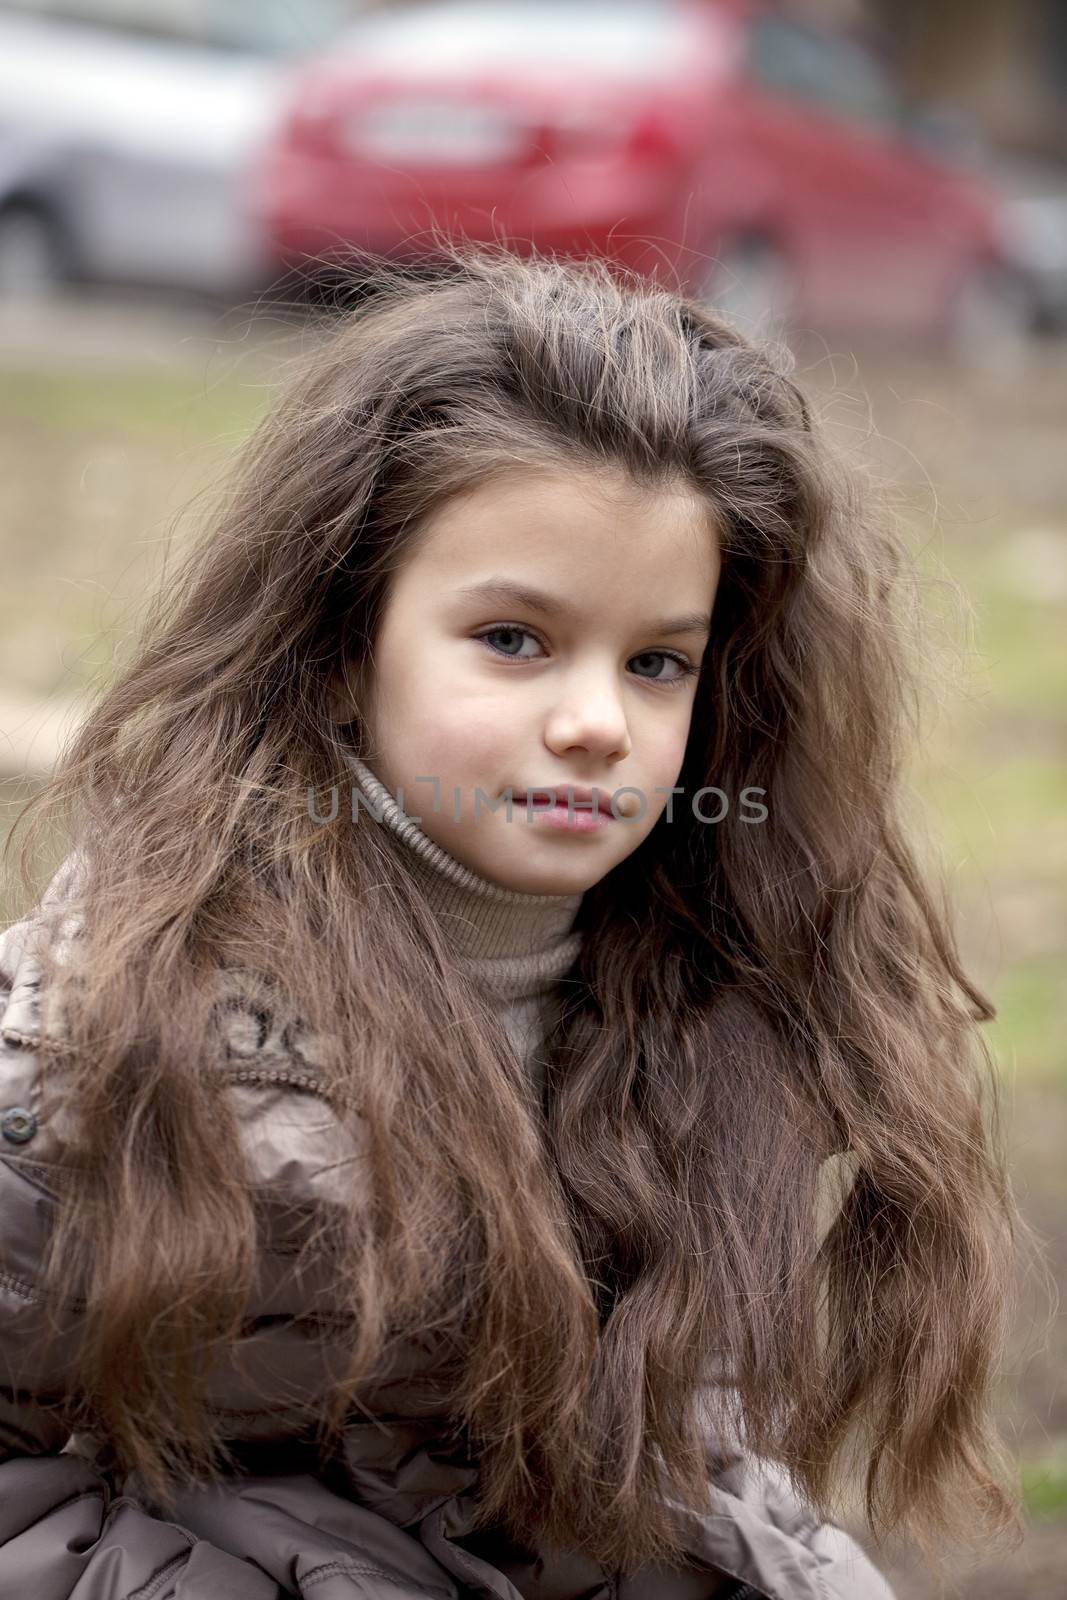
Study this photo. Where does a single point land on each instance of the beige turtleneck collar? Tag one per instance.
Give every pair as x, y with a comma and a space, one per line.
513, 944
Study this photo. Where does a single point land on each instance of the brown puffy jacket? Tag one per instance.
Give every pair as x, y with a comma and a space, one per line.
394, 1520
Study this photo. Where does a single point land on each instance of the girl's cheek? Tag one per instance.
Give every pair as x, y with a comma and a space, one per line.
665, 746
452, 746
476, 720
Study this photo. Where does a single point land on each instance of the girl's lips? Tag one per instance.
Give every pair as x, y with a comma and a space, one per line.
572, 818
585, 799
541, 802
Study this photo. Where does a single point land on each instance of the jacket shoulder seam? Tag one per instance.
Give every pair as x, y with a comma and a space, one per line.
146, 1590
18, 1286
330, 1569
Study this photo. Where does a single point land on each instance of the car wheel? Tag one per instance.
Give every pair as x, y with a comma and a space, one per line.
750, 282
991, 321
32, 260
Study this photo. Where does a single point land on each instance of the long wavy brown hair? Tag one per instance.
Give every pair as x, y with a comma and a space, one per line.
749, 1000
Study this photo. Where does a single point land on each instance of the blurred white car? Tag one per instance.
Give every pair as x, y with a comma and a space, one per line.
125, 128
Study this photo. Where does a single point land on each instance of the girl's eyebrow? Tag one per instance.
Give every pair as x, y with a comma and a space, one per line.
505, 592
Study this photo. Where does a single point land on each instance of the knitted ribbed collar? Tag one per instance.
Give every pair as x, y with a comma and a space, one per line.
513, 944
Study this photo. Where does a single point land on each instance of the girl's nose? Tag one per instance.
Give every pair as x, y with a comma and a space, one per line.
590, 721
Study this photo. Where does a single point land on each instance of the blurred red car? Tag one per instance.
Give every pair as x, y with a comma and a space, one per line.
752, 158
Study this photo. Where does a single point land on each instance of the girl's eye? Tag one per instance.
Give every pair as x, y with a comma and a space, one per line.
686, 669
513, 633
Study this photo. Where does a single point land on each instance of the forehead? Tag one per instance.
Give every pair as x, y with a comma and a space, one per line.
585, 526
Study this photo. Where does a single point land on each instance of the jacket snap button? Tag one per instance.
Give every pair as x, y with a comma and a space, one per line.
17, 1124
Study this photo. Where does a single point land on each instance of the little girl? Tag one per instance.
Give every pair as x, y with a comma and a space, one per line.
490, 1104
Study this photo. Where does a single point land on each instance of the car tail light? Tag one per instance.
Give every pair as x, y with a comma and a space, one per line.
579, 137
652, 139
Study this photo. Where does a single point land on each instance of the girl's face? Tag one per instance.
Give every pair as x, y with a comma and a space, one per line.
579, 683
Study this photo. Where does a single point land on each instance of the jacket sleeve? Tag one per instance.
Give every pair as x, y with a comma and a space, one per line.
64, 1534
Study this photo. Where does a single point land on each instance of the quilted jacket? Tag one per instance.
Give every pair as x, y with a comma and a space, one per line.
392, 1518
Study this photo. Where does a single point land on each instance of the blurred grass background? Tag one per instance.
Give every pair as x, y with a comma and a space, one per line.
107, 451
